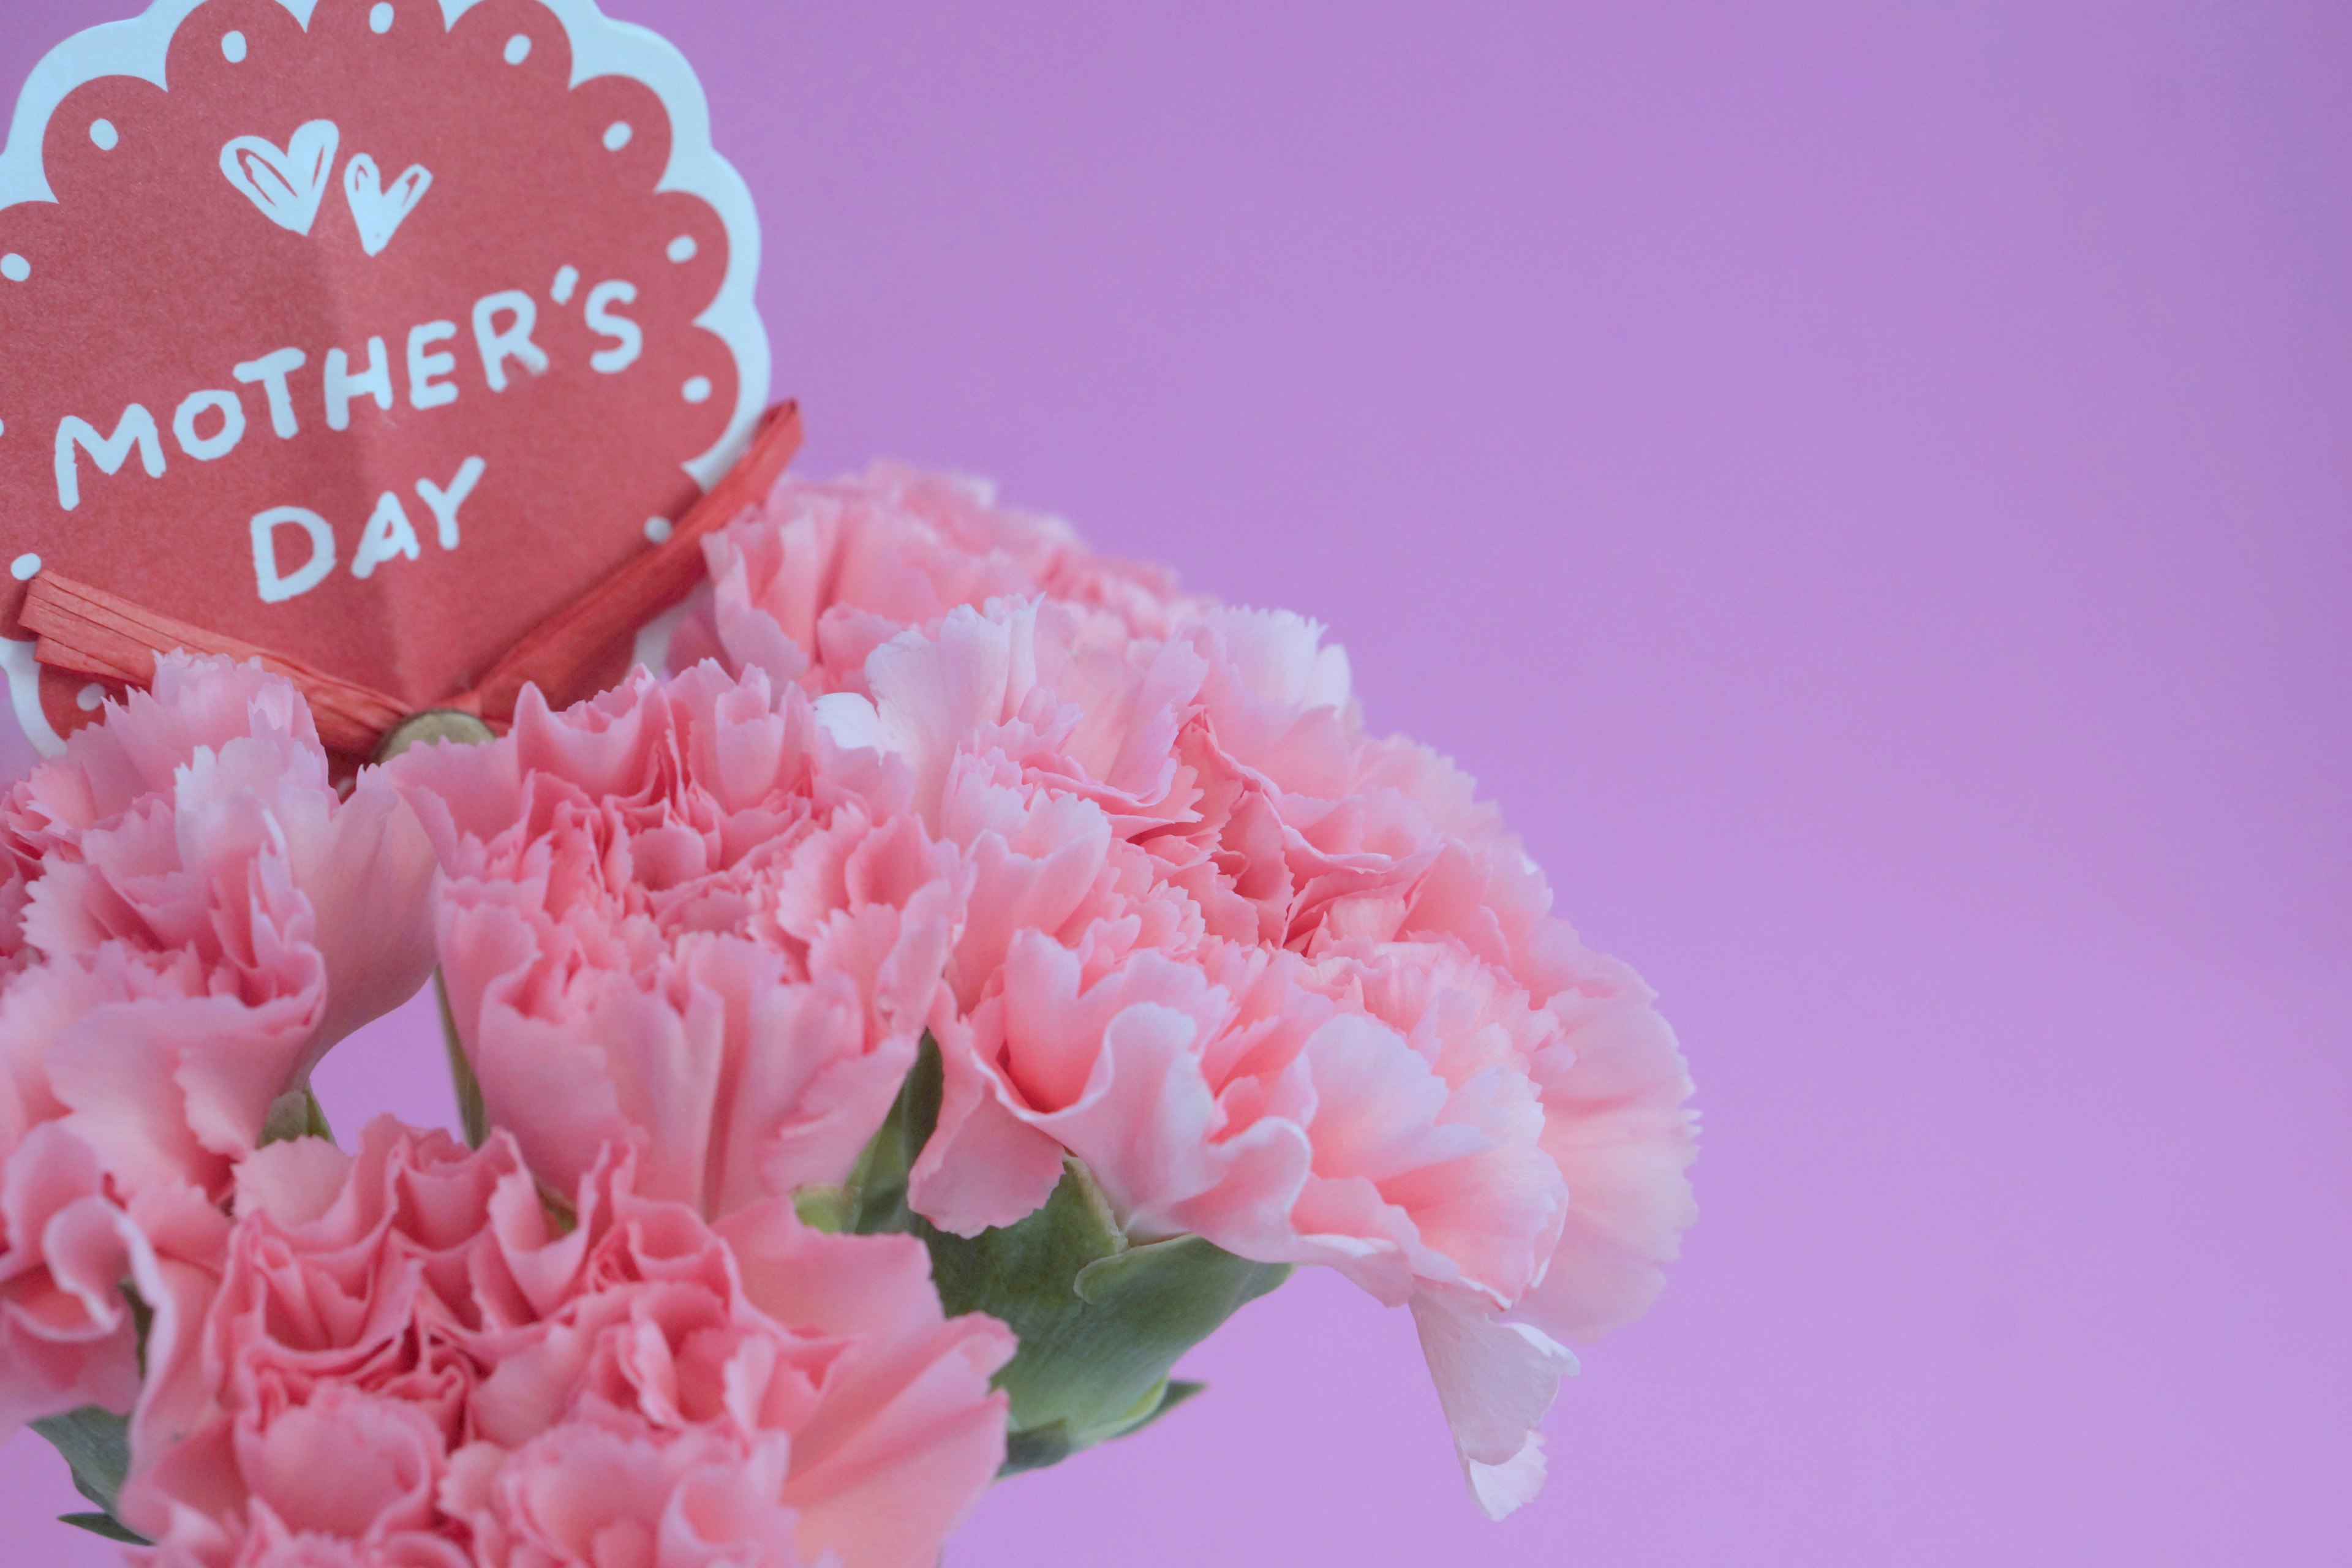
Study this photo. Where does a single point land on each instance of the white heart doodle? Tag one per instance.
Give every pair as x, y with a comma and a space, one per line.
377, 210
284, 184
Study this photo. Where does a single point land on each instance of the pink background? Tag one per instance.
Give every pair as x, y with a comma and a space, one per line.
1866, 485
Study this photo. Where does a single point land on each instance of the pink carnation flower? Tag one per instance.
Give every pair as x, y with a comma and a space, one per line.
193, 917
809, 583
1133, 859
1282, 986
406, 1364
680, 916
68, 1336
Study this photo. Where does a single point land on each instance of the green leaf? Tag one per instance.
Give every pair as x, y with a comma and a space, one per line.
1036, 1450
296, 1114
473, 1115
143, 1318
877, 1183
105, 1524
95, 1444
829, 1209
1100, 1321
1039, 1446
1173, 1392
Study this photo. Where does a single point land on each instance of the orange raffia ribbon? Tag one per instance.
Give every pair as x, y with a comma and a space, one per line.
90, 631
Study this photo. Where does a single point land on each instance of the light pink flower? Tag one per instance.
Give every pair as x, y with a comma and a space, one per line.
68, 1335
1092, 717
1161, 900
359, 1298
811, 581
193, 917
1613, 1086
199, 817
272, 1546
599, 1492
760, 1383
680, 916
1281, 986
407, 1364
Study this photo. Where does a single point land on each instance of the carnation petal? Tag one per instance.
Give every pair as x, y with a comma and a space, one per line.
1495, 1380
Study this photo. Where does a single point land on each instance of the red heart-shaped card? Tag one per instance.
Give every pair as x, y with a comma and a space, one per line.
372, 333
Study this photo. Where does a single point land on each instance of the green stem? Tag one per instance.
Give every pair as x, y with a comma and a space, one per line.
471, 1111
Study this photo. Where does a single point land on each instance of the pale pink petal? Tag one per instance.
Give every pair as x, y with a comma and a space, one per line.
699, 927
368, 877
66, 1337
1614, 1121
1495, 1382
907, 1432
982, 1165
345, 1462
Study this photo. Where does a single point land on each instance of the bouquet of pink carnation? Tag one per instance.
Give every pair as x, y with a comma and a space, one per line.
885, 1045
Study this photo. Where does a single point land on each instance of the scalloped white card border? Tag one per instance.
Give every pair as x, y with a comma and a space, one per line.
601, 47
